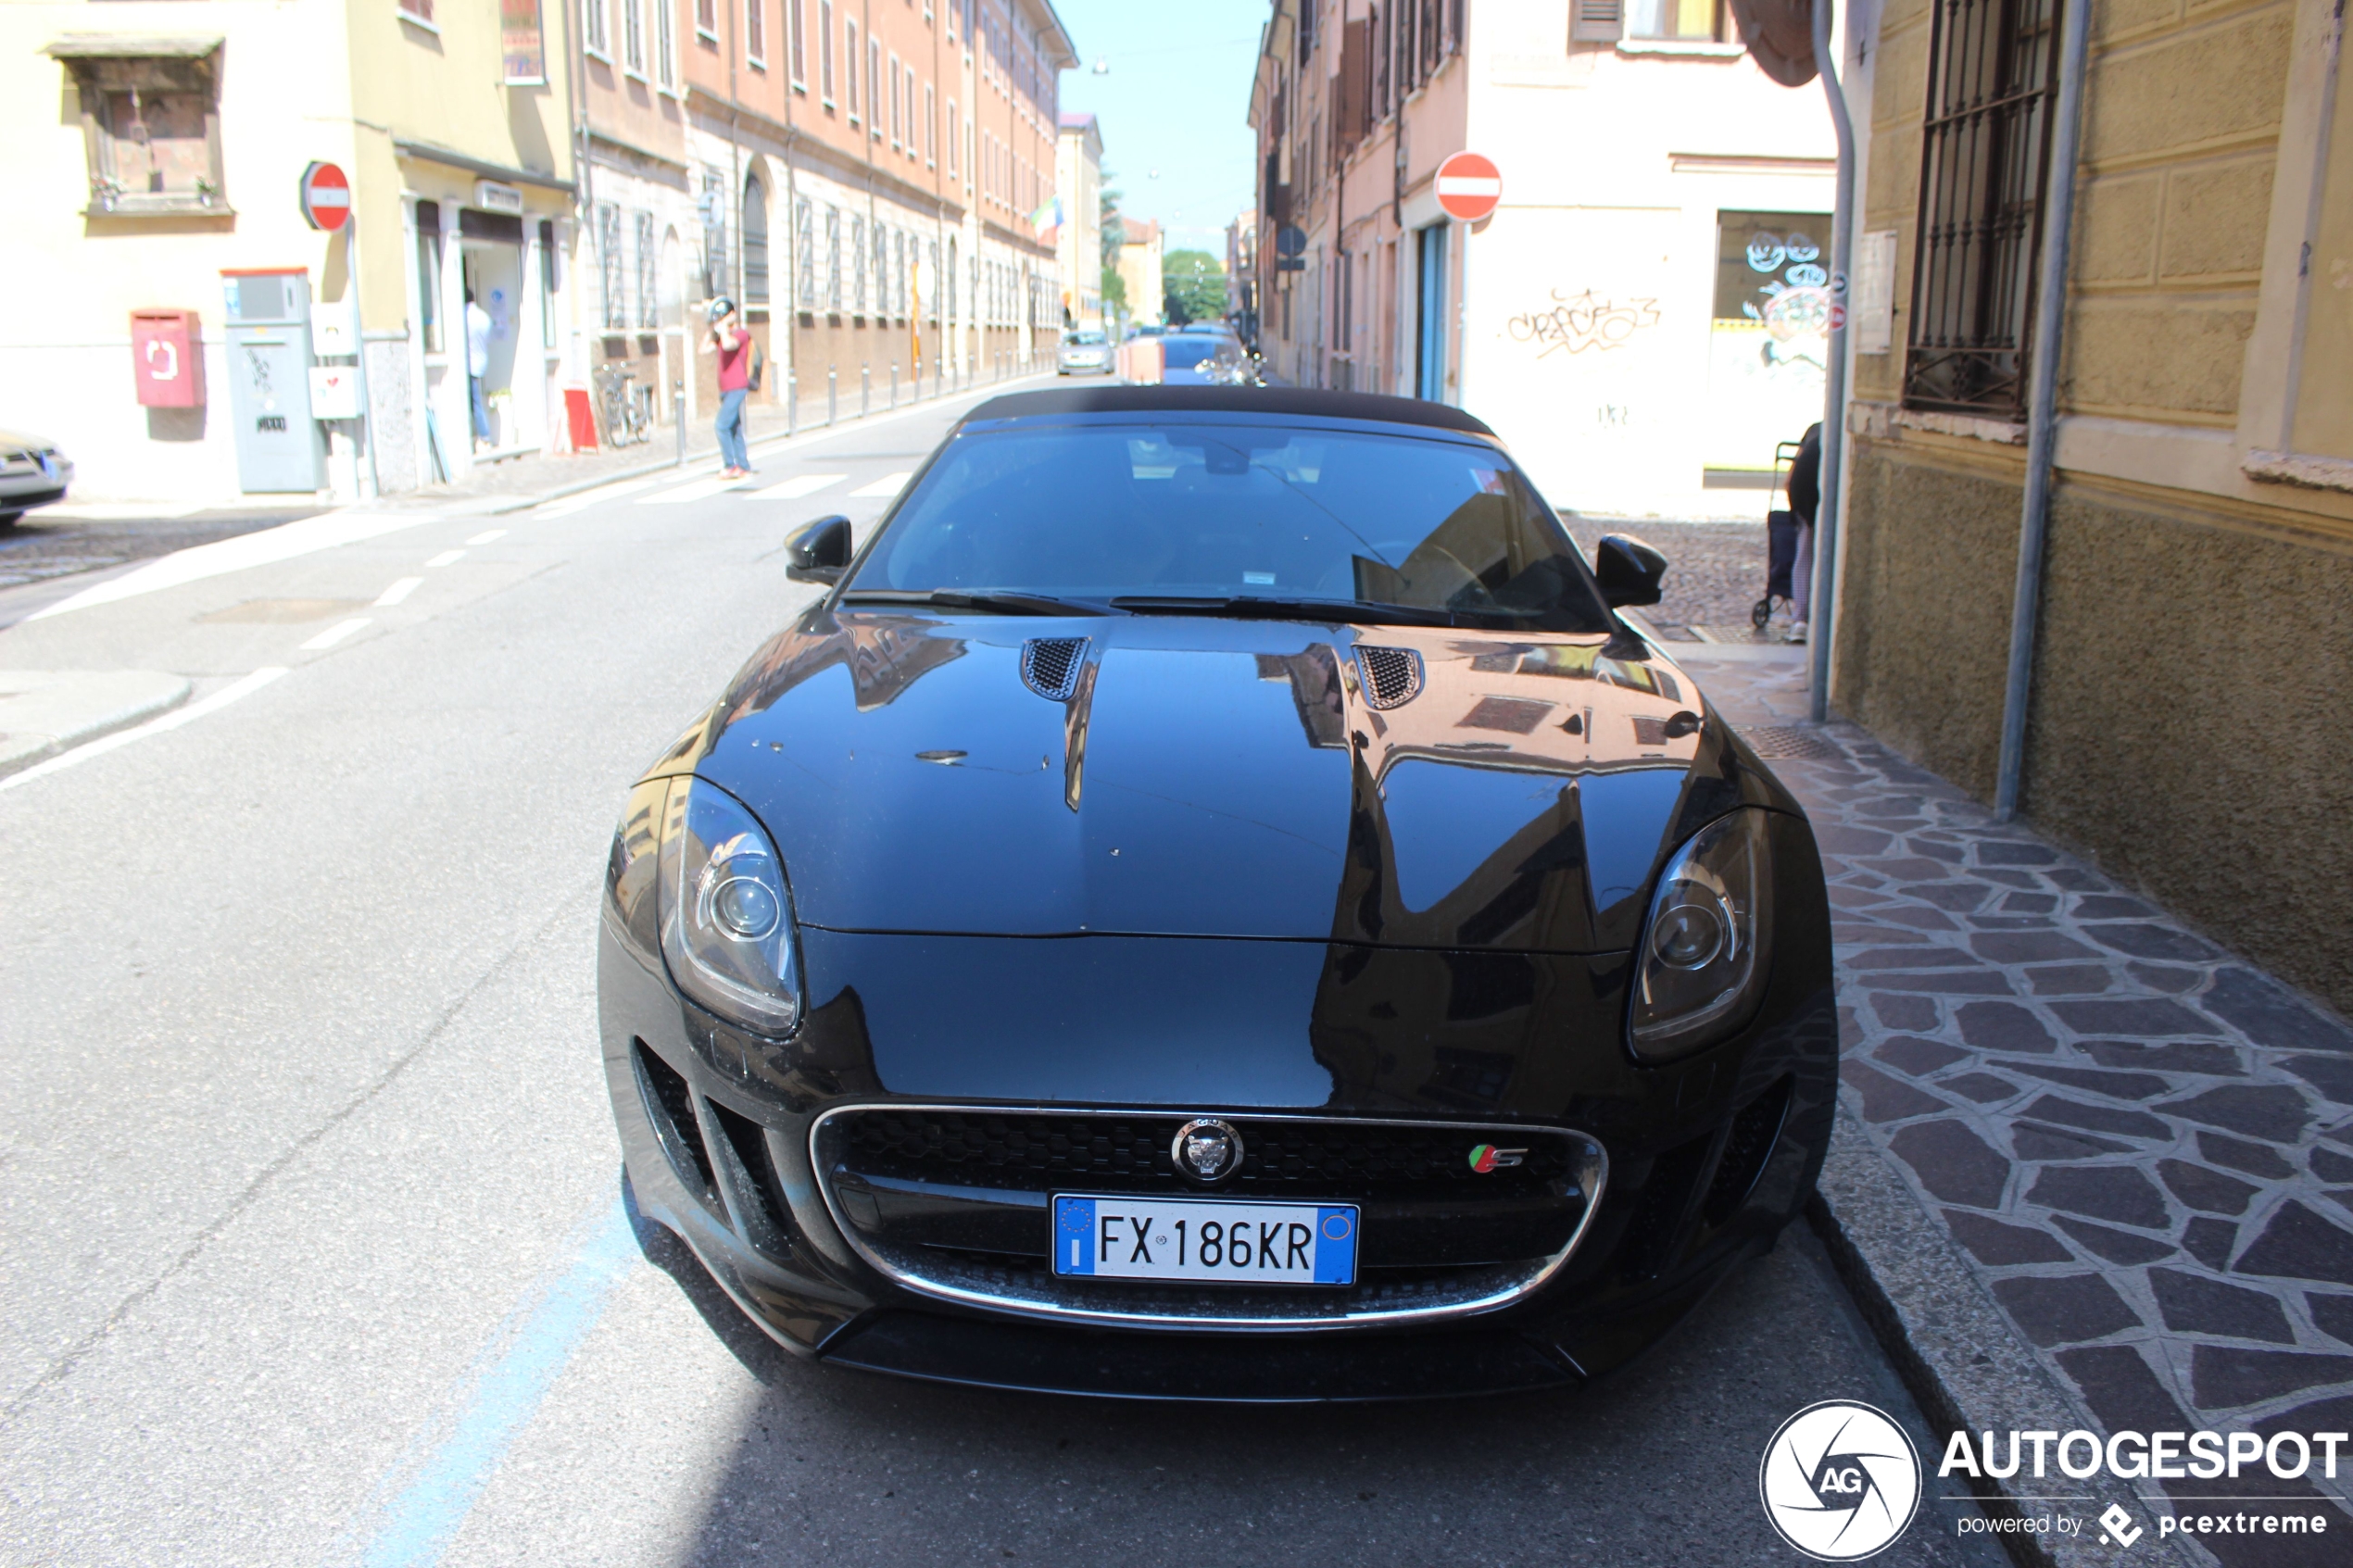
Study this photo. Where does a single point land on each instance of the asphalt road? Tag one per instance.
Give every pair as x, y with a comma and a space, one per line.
309, 1223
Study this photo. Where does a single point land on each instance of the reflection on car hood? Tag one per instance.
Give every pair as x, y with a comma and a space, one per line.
1219, 778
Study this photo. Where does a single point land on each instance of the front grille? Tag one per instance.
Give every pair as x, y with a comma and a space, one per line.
1392, 677
1340, 1159
1051, 665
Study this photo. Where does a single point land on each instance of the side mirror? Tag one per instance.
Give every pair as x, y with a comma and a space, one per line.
822, 549
1628, 570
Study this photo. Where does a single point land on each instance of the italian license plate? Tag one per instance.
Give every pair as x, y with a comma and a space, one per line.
1205, 1240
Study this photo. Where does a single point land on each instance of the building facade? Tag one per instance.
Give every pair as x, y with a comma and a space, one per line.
1642, 316
1140, 253
1078, 243
2201, 529
164, 232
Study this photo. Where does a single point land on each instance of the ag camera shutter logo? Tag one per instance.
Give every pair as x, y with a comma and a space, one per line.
1840, 1481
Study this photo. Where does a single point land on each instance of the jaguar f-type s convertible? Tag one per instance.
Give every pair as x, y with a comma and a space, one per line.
1212, 901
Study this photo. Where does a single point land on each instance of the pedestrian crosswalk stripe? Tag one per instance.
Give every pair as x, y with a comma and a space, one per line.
794, 489
694, 492
888, 486
566, 506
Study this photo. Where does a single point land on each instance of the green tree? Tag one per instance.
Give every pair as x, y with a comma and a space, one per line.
1115, 290
1195, 285
1115, 234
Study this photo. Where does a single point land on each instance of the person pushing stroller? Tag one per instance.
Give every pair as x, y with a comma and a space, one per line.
1789, 568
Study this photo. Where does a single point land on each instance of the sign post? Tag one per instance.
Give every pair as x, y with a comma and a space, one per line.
326, 205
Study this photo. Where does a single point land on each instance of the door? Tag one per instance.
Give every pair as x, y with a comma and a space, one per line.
494, 281
1429, 314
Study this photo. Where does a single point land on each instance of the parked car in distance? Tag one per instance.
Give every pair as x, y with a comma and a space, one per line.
1087, 349
33, 473
1198, 359
1214, 902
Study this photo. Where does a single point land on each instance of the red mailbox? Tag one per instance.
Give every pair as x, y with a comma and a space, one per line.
167, 358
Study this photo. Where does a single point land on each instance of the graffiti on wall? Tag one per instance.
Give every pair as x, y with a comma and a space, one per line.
1576, 322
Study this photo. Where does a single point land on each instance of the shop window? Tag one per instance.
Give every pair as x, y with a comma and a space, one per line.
1985, 164
150, 124
1697, 21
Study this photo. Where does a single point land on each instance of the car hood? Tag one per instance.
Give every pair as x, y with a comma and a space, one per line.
1219, 778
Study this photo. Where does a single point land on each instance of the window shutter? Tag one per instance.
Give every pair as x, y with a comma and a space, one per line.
1597, 21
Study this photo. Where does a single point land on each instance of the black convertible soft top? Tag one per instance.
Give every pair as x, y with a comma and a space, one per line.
1277, 400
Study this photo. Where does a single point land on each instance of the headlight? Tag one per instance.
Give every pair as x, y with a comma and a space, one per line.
727, 917
1705, 951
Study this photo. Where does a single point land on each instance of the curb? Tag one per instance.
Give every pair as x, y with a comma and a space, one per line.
71, 707
1956, 1352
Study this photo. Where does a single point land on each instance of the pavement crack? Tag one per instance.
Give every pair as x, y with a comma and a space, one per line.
64, 1363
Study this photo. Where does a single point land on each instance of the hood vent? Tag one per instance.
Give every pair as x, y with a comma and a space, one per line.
1392, 677
1049, 666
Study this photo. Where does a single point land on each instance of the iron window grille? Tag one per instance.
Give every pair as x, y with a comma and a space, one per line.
648, 290
755, 242
613, 267
858, 261
804, 241
1984, 172
833, 259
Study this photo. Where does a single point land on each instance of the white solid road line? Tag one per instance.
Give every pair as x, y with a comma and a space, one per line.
486, 538
794, 489
694, 492
172, 721
446, 558
334, 633
889, 485
399, 592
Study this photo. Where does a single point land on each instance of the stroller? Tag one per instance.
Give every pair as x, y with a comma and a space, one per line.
1782, 529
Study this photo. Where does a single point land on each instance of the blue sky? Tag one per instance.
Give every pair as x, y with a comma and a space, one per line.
1174, 100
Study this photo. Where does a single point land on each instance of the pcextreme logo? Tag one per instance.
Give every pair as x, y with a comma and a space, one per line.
1840, 1481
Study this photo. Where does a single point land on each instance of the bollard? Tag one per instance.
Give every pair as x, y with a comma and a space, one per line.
678, 416
894, 383
833, 399
792, 405
865, 389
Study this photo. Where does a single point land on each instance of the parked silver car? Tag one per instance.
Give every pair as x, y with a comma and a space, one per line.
33, 473
1085, 350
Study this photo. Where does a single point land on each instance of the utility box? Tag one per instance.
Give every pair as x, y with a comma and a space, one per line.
279, 446
167, 358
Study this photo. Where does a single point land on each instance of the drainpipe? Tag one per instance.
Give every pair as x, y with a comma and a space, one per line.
2041, 392
1822, 605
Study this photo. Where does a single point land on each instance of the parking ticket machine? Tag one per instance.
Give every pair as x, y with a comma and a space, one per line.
279, 446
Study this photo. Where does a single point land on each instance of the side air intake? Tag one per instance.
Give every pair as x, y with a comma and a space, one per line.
1049, 666
1392, 677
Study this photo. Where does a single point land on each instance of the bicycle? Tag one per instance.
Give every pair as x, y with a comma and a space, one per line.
624, 409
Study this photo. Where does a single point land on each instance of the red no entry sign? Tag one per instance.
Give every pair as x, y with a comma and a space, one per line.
1469, 186
326, 196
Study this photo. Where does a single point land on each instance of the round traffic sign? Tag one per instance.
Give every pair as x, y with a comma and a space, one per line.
1469, 186
326, 196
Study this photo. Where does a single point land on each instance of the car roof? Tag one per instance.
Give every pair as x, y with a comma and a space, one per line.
1282, 401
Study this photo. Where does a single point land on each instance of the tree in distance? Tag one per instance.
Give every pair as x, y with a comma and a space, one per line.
1195, 286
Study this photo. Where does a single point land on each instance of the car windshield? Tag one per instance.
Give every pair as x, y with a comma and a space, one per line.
1228, 513
1084, 340
1184, 353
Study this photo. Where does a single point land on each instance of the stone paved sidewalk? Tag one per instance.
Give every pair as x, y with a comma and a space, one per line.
2142, 1145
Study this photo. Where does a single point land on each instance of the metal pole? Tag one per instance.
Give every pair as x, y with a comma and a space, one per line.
792, 403
1822, 609
678, 416
833, 400
374, 485
894, 383
2041, 395
865, 389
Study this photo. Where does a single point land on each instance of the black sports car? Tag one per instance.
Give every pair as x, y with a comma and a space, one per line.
1213, 903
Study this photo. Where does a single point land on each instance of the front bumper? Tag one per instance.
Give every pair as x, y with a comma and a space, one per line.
1699, 1164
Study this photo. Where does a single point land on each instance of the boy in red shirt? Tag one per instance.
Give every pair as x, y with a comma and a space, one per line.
729, 340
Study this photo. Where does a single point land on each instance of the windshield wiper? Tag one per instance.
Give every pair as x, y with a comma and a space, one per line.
1365, 612
1000, 602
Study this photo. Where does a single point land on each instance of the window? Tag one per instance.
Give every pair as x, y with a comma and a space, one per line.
522, 45
1986, 157
714, 233
857, 265
648, 271
804, 250
849, 53
612, 267
420, 11
755, 241
1697, 20
594, 38
756, 32
794, 47
911, 111
881, 271
429, 274
895, 107
875, 86
548, 281
707, 20
633, 37
931, 129
666, 45
150, 124
952, 171
833, 259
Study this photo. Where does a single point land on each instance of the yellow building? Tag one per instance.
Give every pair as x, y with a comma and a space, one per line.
1139, 258
160, 153
2191, 702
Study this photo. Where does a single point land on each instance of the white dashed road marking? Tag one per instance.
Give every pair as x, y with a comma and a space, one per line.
445, 557
334, 633
889, 485
794, 489
399, 592
486, 538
